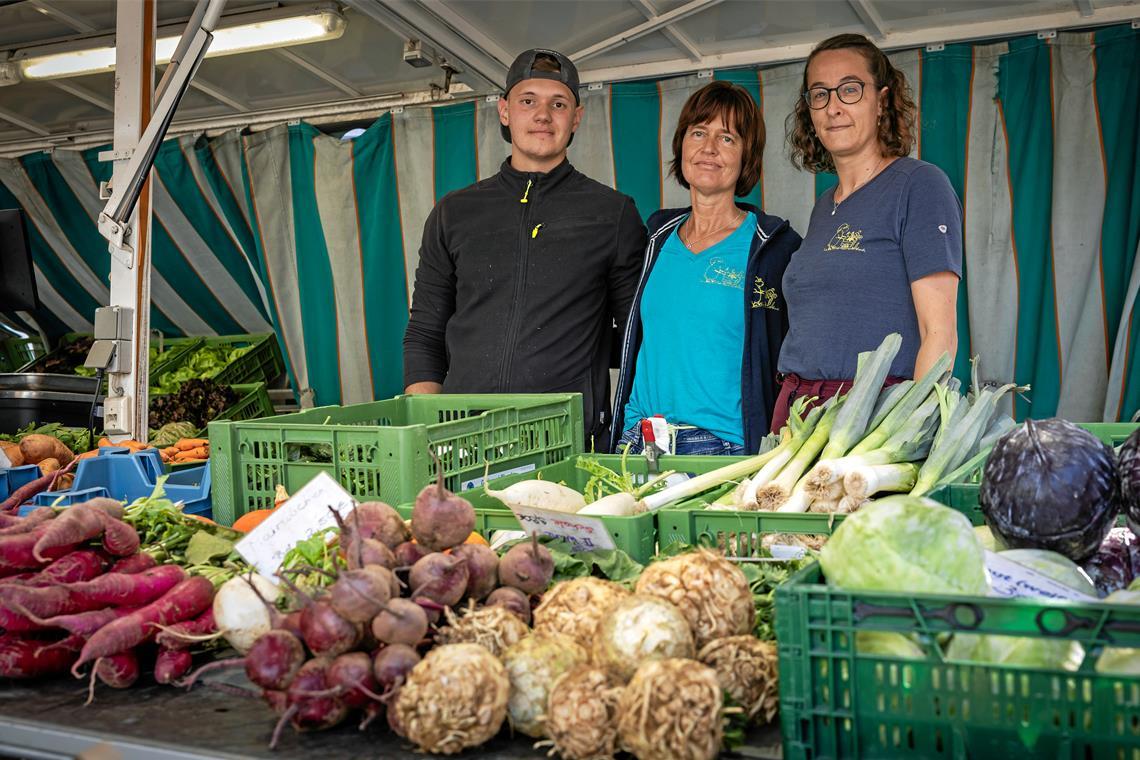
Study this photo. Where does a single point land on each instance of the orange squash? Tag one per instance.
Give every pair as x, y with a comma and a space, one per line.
251, 520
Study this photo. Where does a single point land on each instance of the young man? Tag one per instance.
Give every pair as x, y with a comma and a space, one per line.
523, 276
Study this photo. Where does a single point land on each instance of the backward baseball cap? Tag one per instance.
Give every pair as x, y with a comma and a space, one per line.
523, 68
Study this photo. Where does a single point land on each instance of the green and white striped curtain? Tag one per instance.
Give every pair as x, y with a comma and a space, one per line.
320, 236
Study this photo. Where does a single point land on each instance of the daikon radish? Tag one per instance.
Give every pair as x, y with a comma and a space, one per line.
615, 505
537, 494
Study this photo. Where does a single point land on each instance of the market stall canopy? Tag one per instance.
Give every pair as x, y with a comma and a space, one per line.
377, 54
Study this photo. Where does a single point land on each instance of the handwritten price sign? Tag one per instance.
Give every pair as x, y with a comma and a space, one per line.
582, 533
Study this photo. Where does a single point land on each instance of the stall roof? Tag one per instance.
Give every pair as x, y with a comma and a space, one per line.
364, 72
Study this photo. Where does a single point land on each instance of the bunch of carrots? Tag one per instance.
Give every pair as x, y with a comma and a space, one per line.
187, 450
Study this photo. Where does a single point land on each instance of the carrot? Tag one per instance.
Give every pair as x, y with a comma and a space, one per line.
199, 453
136, 563
184, 601
111, 589
89, 454
191, 443
31, 657
104, 442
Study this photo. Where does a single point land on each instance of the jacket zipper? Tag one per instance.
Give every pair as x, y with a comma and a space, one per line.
520, 279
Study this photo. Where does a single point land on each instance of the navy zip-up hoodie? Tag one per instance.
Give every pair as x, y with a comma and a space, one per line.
765, 318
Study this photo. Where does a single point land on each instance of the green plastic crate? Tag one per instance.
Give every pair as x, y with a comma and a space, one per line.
381, 449
836, 702
18, 352
261, 363
635, 535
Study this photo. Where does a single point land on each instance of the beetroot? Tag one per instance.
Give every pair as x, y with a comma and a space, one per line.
327, 633
409, 553
351, 675
307, 713
274, 660
373, 552
440, 519
482, 569
402, 621
376, 520
291, 623
172, 664
392, 665
359, 595
513, 599
528, 566
440, 578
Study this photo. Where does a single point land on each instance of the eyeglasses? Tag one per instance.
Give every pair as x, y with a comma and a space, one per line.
850, 93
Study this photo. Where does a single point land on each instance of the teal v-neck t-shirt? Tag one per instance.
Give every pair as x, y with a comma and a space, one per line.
692, 320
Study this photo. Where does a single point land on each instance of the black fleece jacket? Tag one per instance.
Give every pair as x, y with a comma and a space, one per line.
521, 279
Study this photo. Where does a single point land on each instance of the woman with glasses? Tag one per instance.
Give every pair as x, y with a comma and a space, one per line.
702, 339
883, 250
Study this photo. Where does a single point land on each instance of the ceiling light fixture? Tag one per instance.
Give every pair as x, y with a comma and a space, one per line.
239, 33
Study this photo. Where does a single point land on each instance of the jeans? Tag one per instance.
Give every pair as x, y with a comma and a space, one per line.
690, 442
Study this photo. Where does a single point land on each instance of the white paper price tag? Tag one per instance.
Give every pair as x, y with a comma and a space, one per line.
583, 533
471, 483
1012, 579
306, 513
787, 551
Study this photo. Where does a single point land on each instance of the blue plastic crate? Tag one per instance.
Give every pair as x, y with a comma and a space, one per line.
17, 477
120, 474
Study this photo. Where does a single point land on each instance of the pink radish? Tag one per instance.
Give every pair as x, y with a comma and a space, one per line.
172, 664
33, 657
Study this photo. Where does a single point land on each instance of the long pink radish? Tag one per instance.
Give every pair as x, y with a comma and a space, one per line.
111, 589
172, 664
186, 600
29, 523
81, 623
13, 622
135, 563
190, 632
76, 525
119, 538
35, 657
119, 671
77, 566
17, 553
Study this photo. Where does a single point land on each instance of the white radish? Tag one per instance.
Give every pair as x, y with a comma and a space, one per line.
539, 494
615, 505
241, 613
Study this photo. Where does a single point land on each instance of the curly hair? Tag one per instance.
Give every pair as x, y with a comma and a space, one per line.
896, 128
739, 110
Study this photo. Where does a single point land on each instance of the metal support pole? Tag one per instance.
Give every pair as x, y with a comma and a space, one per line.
125, 410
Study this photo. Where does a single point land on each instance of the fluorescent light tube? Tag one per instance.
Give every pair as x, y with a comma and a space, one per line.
243, 36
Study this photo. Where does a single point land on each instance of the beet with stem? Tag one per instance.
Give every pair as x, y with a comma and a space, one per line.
527, 566
440, 519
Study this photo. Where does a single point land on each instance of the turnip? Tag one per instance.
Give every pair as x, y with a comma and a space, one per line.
402, 621
511, 599
243, 609
621, 504
533, 664
581, 716
440, 578
482, 569
527, 566
537, 494
409, 553
440, 519
672, 708
576, 607
747, 669
494, 628
454, 699
640, 628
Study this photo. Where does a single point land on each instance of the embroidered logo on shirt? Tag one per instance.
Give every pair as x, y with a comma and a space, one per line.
766, 297
846, 239
719, 273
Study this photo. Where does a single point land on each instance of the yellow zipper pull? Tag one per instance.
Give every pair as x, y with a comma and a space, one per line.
527, 192
534, 232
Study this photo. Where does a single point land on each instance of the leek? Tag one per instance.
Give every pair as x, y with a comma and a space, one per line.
890, 396
906, 406
864, 482
799, 500
849, 504
800, 430
779, 490
858, 405
696, 485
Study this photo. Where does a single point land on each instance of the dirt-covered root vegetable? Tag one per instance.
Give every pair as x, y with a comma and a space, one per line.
359, 595
409, 553
672, 708
482, 569
748, 669
376, 520
274, 660
392, 664
528, 566
511, 599
440, 519
533, 664
327, 633
581, 715
454, 699
641, 628
440, 578
711, 592
576, 607
402, 621
494, 628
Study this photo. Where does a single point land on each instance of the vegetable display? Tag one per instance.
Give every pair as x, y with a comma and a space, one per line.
196, 401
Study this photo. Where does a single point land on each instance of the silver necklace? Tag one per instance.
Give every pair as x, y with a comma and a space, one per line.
871, 176
735, 220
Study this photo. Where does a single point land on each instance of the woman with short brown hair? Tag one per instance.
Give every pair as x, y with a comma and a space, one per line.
703, 336
883, 249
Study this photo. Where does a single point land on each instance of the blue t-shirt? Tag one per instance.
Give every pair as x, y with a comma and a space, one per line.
692, 320
848, 285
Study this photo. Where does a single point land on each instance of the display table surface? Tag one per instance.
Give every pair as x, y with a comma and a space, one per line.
47, 719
